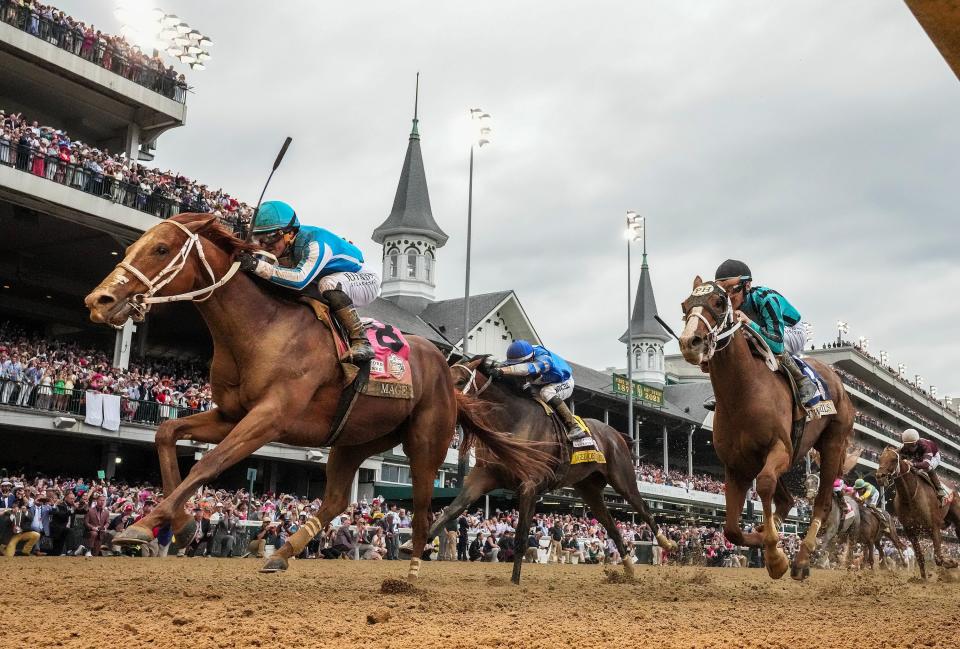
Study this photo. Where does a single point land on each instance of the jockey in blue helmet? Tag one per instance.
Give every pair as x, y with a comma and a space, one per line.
769, 314
548, 372
307, 254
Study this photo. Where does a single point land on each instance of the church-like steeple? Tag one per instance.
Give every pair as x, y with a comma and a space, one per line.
648, 337
410, 236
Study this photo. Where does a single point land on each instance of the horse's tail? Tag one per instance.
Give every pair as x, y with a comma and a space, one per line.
525, 459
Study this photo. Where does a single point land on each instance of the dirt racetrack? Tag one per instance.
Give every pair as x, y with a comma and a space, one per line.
193, 603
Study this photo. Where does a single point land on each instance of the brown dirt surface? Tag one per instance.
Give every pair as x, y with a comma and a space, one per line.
198, 603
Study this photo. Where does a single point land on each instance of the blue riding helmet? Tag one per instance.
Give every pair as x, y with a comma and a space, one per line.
519, 351
275, 215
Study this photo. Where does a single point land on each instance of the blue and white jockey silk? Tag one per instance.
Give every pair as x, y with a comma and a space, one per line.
549, 372
316, 252
321, 256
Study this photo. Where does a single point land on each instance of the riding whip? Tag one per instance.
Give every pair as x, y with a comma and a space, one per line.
666, 326
276, 163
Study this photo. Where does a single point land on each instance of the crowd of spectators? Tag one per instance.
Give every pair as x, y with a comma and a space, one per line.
673, 478
111, 52
54, 375
51, 154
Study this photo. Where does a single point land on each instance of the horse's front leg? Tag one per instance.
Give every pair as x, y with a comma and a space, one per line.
735, 493
778, 461
259, 427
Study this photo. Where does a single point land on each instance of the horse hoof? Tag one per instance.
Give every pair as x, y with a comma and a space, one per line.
183, 536
275, 564
777, 565
133, 535
413, 578
799, 573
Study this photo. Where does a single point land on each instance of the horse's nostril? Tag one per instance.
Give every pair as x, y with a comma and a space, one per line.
696, 340
105, 299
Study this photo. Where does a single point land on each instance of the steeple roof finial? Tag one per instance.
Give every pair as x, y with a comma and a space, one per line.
414, 133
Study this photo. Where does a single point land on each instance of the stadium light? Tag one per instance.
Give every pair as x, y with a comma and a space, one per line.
153, 29
901, 369
842, 328
635, 231
205, 42
883, 357
933, 391
864, 343
918, 381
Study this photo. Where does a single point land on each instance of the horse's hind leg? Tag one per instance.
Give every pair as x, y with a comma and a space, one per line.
591, 490
918, 551
342, 465
478, 482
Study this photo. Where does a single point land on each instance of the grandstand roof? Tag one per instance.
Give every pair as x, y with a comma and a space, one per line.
386, 311
447, 315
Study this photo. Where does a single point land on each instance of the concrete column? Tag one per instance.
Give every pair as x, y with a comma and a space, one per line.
142, 330
108, 459
121, 345
355, 488
272, 483
606, 416
131, 145
690, 452
666, 452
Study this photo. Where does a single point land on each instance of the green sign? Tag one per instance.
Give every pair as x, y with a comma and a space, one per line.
101, 474
641, 392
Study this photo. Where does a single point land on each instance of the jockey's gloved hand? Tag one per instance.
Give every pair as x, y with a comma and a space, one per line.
248, 262
496, 372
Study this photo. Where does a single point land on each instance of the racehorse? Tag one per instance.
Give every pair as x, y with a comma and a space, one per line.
871, 531
918, 507
752, 426
529, 421
839, 528
276, 377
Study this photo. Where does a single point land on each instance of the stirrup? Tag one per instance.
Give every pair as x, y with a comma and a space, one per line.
576, 433
710, 403
359, 352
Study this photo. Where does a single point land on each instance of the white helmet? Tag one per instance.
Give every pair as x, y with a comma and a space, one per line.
910, 436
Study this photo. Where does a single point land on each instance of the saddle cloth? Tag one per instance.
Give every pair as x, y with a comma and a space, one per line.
589, 451
824, 404
389, 371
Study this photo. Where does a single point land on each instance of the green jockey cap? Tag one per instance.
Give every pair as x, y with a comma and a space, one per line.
275, 215
860, 484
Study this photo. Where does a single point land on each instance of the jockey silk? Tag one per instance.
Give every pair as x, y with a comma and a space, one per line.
547, 367
316, 253
771, 313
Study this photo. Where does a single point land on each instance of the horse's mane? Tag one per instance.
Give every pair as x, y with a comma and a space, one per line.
216, 232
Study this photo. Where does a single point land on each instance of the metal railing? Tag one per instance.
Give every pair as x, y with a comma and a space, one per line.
50, 399
73, 40
83, 178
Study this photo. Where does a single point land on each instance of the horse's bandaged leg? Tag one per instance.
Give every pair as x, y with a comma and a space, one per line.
628, 566
810, 540
414, 572
665, 543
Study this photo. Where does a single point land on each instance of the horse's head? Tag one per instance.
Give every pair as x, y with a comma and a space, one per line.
890, 466
707, 314
470, 377
159, 267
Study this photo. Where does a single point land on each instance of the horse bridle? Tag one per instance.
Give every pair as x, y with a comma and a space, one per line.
472, 380
893, 476
725, 326
140, 303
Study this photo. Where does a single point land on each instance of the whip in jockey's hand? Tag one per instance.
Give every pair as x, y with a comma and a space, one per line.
769, 314
547, 371
315, 255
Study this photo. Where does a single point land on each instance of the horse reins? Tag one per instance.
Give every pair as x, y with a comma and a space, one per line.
724, 328
472, 380
141, 302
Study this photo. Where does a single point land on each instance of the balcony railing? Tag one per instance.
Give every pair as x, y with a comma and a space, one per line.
77, 176
53, 400
151, 76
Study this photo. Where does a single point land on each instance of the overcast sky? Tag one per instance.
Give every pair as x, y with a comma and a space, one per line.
817, 141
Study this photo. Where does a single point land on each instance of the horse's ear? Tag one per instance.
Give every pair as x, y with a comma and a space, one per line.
199, 226
697, 281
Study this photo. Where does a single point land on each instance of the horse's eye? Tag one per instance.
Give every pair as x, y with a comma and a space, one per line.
161, 250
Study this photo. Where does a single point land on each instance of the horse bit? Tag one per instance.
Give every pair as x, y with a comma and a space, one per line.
140, 303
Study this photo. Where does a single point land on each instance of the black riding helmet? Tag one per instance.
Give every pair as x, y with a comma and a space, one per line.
733, 268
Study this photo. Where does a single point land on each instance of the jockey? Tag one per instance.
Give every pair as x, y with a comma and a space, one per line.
924, 455
769, 314
310, 254
866, 493
547, 371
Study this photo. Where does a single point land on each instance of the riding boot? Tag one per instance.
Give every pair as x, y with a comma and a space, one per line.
935, 479
574, 432
806, 388
710, 403
341, 306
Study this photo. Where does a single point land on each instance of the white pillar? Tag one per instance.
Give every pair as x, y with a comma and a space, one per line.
690, 452
666, 453
355, 488
131, 145
121, 345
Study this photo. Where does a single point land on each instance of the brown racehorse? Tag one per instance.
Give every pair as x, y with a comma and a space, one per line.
871, 531
752, 424
918, 507
527, 419
276, 377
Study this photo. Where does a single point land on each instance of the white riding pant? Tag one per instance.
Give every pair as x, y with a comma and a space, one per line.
564, 390
874, 499
935, 461
362, 288
794, 339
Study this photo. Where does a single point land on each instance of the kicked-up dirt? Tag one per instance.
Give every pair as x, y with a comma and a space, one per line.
195, 603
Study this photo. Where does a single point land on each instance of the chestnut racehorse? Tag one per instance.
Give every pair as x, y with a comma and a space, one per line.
528, 420
276, 377
752, 425
918, 507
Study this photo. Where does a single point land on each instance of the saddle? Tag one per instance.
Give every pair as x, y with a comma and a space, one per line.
568, 453
387, 374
